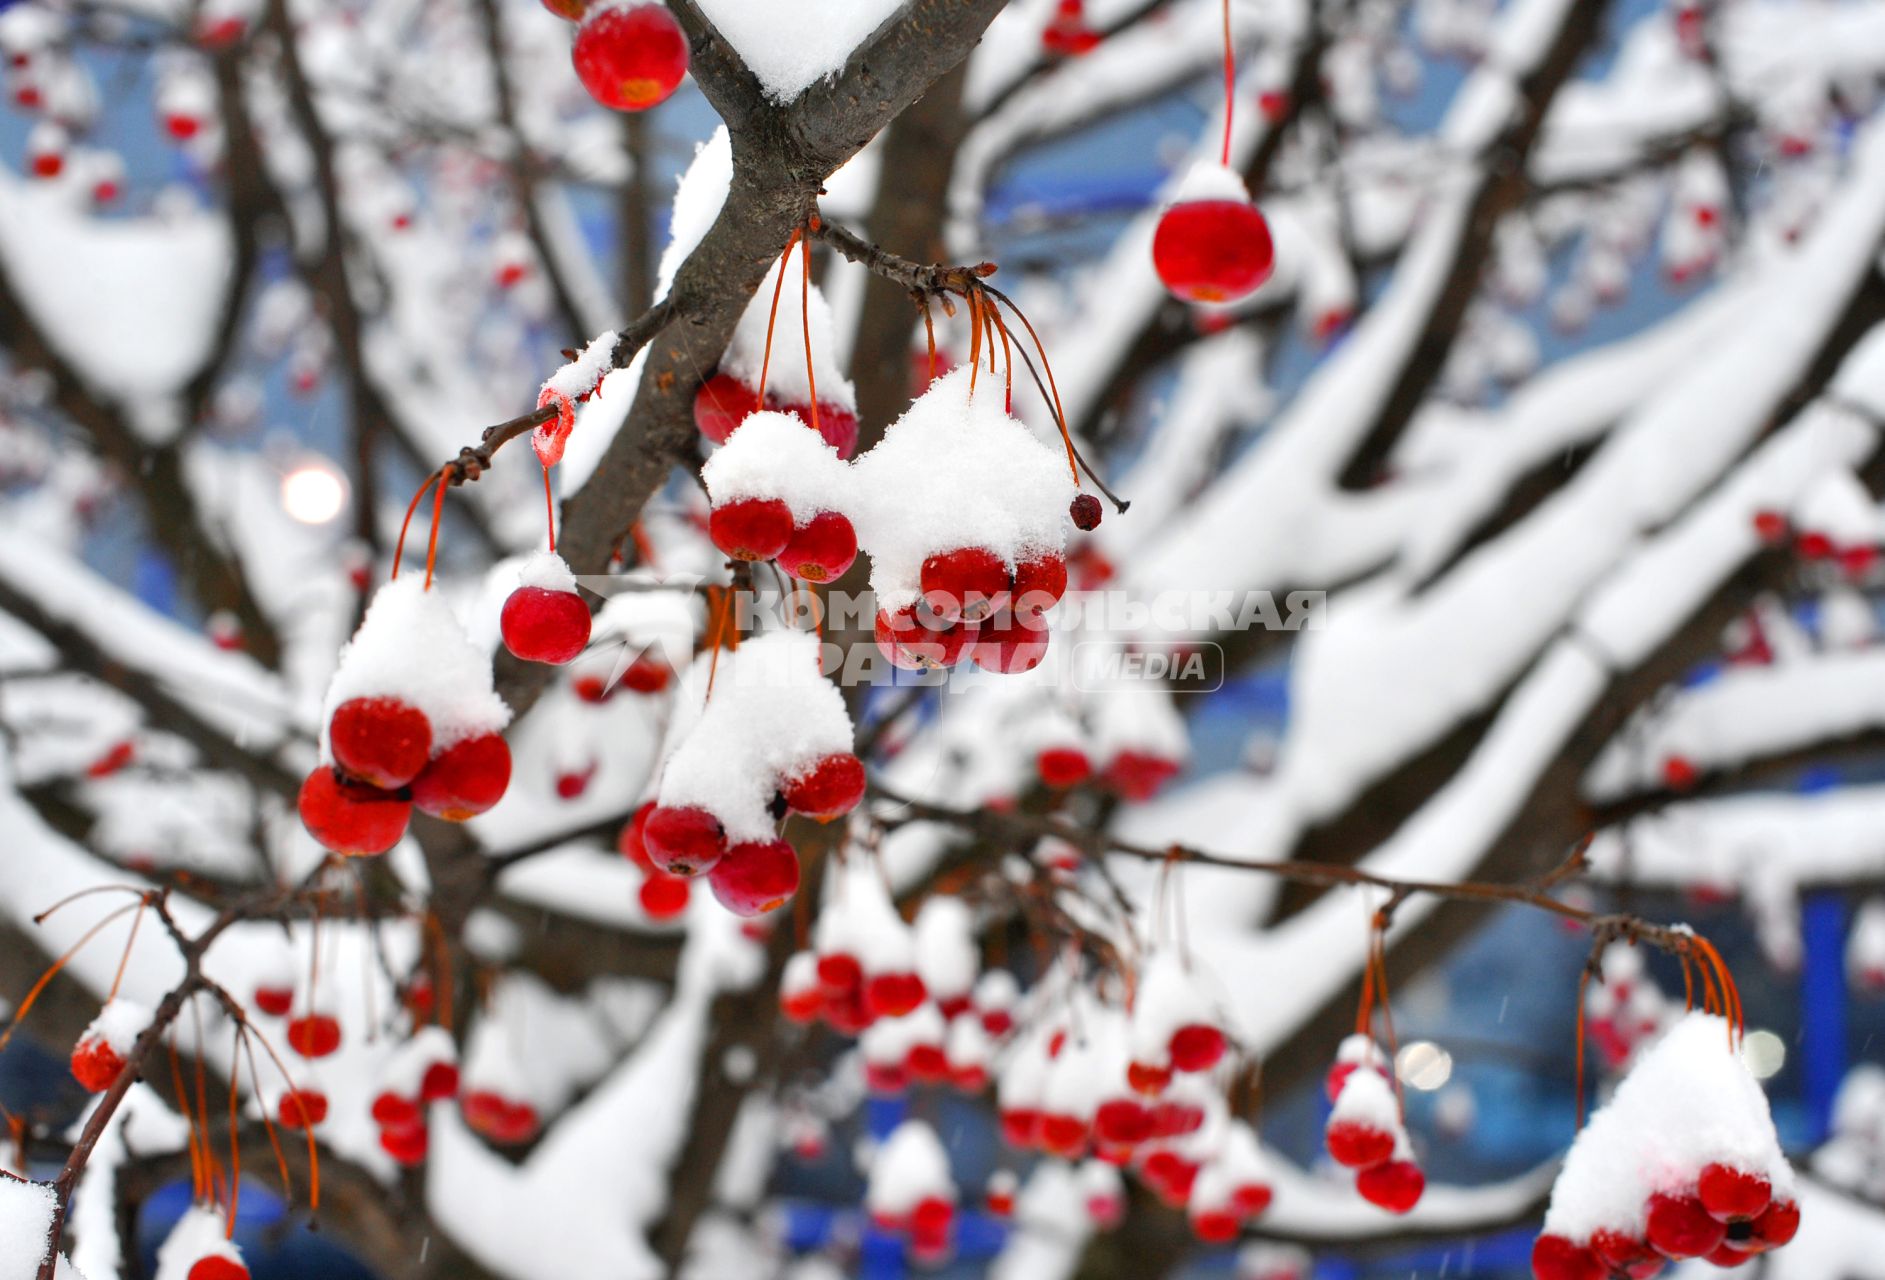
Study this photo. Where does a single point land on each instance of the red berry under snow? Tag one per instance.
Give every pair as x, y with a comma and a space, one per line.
683, 841
465, 780
1395, 1185
1679, 1227
751, 528
721, 404
837, 426
1010, 644
381, 741
916, 640
968, 583
830, 789
542, 625
406, 1144
216, 1267
1358, 1145
351, 818
821, 549
301, 1109
754, 878
1213, 250
1555, 1258
1196, 1046
314, 1035
1039, 584
891, 995
1730, 1194
95, 1064
630, 59
274, 1001
1063, 766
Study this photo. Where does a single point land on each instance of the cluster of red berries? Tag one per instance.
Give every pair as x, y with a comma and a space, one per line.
1129, 774
629, 56
200, 1238
724, 402
424, 1070
662, 895
1726, 1216
777, 493
974, 606
384, 766
1364, 1130
506, 1121
911, 1193
1854, 558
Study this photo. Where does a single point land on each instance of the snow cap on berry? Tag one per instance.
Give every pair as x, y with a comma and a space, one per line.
411, 646
911, 1166
946, 955
956, 471
199, 1233
774, 455
1169, 996
1688, 1102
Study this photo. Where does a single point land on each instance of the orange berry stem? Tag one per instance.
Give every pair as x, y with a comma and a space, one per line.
399, 548
975, 338
26, 1005
1230, 86
432, 545
130, 941
1583, 986
549, 511
805, 320
246, 1038
929, 332
772, 320
235, 1144
1060, 414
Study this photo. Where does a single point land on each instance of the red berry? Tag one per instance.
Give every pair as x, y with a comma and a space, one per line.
802, 1006
1063, 1134
1085, 512
1857, 562
927, 1062
630, 840
1728, 1256
48, 164
683, 840
1679, 773
1770, 526
314, 1035
95, 1064
1813, 546
350, 817
464, 780
664, 897
837, 426
1251, 1198
721, 404
1626, 1254
1337, 1077
754, 878
380, 741
1039, 584
821, 549
1063, 766
439, 1081
570, 786
1213, 250
543, 625
1174, 1119
1679, 1227
406, 1144
182, 127
891, 995
1357, 1144
1138, 775
301, 1109
1215, 1226
1148, 1079
915, 639
1394, 1186
1777, 1223
648, 673
1010, 644
1196, 1046
569, 10
1555, 1258
830, 789
1729, 1193
117, 757
394, 1111
968, 583
216, 1267
630, 59
751, 528
274, 1001
1123, 1121
498, 1118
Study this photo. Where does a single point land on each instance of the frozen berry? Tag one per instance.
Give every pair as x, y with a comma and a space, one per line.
95, 1064
891, 995
756, 877
1555, 1258
915, 639
1196, 1046
751, 528
968, 583
301, 1109
381, 741
464, 780
721, 404
1009, 644
1063, 766
821, 549
314, 1035
664, 896
544, 625
830, 789
1728, 1193
1213, 250
350, 817
1395, 1185
682, 840
1085, 512
1358, 1145
631, 58
1679, 1227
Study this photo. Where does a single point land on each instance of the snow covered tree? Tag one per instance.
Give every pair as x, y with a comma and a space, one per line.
841, 693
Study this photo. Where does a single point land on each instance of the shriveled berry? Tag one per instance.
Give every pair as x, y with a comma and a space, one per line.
1085, 512
95, 1064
